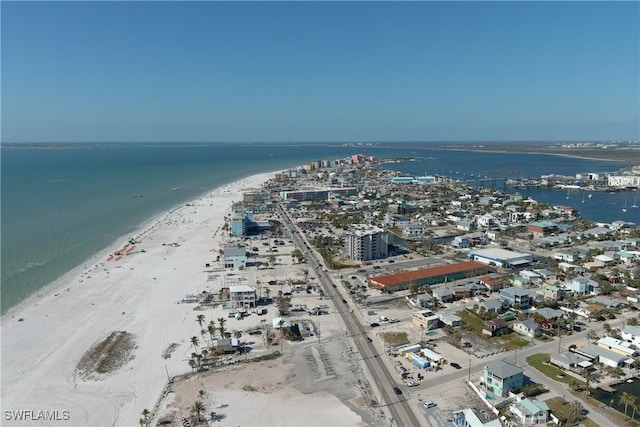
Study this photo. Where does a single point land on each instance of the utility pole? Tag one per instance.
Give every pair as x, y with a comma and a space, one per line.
469, 380
559, 336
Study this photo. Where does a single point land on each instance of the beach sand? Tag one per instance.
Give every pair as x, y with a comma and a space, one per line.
139, 294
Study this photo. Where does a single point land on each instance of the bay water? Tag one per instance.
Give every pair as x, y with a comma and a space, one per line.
63, 203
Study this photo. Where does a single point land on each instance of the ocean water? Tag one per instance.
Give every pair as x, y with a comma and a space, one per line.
62, 205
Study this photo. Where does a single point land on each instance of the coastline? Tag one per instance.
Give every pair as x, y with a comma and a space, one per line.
574, 156
137, 294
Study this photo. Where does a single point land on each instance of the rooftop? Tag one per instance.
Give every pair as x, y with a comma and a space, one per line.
502, 368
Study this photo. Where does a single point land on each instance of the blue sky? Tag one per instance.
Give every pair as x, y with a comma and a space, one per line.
267, 71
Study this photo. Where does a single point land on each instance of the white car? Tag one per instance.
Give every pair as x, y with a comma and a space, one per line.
412, 384
430, 404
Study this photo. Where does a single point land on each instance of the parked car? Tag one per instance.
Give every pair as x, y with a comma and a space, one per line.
412, 384
455, 365
369, 339
430, 404
374, 325
396, 390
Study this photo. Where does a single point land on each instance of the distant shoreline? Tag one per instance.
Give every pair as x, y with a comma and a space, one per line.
575, 156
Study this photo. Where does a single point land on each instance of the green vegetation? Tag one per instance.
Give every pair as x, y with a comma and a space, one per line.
543, 338
513, 341
538, 362
270, 356
471, 319
395, 338
170, 349
568, 412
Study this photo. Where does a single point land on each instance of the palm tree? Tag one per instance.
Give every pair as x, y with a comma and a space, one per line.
202, 394
195, 343
211, 328
213, 416
145, 414
267, 292
197, 408
635, 405
626, 399
200, 319
591, 335
221, 322
281, 324
142, 422
588, 377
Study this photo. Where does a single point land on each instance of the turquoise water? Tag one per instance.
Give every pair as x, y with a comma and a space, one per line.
60, 206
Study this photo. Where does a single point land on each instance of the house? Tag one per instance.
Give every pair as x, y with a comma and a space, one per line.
603, 355
548, 313
551, 292
461, 242
617, 346
242, 296
516, 297
469, 418
530, 411
631, 334
606, 302
234, 255
495, 327
226, 345
443, 294
426, 320
501, 377
590, 311
527, 327
491, 305
582, 286
542, 228
491, 281
572, 361
450, 319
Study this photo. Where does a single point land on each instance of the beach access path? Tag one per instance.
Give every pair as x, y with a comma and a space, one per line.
44, 338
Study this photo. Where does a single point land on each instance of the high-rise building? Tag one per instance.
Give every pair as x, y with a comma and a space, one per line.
366, 242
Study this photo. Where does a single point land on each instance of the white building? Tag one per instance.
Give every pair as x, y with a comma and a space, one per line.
500, 257
624, 181
414, 229
366, 242
631, 334
242, 296
530, 411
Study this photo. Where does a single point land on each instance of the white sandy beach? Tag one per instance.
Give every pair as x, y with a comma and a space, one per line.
137, 294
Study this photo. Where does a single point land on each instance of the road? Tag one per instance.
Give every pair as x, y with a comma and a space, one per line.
520, 357
397, 405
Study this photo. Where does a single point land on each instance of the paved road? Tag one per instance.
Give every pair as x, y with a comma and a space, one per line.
398, 405
556, 387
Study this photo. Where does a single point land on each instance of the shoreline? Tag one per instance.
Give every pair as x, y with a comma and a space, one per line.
575, 156
138, 294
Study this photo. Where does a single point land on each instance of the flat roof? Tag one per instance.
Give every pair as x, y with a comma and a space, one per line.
408, 276
499, 254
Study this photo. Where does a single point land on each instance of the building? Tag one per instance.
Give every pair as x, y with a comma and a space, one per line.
428, 276
516, 297
530, 411
491, 305
226, 345
468, 418
426, 320
500, 257
571, 361
618, 346
603, 355
443, 294
624, 181
317, 193
582, 286
450, 319
542, 228
631, 334
234, 254
242, 296
414, 229
492, 281
366, 242
528, 328
501, 377
238, 224
495, 327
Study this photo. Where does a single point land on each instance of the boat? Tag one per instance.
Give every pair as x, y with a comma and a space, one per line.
629, 380
624, 209
590, 195
634, 205
583, 201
